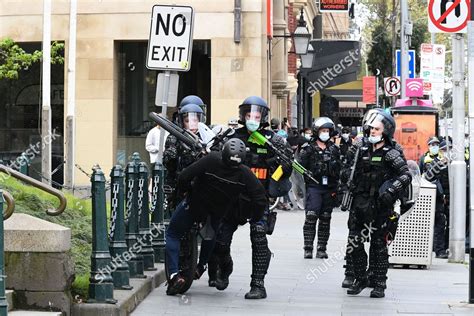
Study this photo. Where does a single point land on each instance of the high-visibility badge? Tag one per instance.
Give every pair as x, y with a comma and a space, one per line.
278, 173
260, 173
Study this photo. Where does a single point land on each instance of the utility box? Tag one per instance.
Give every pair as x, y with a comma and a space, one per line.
413, 243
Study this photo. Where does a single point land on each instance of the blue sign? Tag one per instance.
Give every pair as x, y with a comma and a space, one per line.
411, 63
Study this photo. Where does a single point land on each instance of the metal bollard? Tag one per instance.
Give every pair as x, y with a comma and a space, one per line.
157, 211
135, 260
144, 219
3, 298
118, 246
101, 287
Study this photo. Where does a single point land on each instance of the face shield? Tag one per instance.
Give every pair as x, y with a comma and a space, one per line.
191, 120
253, 112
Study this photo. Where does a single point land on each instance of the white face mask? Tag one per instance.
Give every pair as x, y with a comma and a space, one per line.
307, 136
375, 139
345, 136
324, 137
252, 125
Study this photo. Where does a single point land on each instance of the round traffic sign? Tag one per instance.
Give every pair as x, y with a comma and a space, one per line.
438, 20
393, 86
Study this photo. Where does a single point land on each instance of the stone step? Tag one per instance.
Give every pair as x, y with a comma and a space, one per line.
33, 313
9, 295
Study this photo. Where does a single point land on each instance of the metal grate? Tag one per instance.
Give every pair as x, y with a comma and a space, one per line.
414, 239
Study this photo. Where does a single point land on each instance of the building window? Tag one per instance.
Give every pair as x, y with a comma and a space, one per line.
137, 89
20, 119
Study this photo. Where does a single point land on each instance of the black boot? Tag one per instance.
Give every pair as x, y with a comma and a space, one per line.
377, 292
308, 253
348, 280
442, 254
225, 270
212, 270
321, 253
200, 269
175, 285
358, 286
257, 290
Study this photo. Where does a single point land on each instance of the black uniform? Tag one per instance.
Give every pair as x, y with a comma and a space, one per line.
344, 146
437, 173
214, 188
381, 176
347, 164
320, 198
262, 162
175, 158
217, 187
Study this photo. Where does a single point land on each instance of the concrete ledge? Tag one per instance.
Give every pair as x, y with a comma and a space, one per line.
25, 233
9, 295
127, 300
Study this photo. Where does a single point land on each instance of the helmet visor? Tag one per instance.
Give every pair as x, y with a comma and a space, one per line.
191, 120
375, 120
253, 112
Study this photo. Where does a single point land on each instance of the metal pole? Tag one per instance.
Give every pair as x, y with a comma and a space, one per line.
470, 32
403, 47
101, 286
3, 298
71, 98
377, 74
164, 108
394, 45
135, 261
457, 232
144, 218
433, 41
118, 246
46, 98
157, 212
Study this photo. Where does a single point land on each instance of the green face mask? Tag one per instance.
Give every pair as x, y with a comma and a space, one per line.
252, 125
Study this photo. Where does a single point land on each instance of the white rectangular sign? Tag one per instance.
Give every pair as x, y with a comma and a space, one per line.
171, 38
432, 66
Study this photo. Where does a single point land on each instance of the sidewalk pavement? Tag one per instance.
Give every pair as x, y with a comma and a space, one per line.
297, 286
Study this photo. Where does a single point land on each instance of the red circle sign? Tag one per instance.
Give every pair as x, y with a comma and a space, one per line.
399, 86
437, 22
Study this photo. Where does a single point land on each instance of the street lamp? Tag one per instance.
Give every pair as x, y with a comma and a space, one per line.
301, 36
307, 59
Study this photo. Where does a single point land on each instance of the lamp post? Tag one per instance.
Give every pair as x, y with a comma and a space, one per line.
301, 38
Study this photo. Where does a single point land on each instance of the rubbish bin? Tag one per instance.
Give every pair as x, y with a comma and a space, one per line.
413, 242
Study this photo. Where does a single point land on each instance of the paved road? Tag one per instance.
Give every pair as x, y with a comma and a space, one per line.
294, 290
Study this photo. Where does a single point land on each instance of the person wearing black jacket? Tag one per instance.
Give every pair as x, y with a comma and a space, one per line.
381, 176
253, 114
322, 158
213, 186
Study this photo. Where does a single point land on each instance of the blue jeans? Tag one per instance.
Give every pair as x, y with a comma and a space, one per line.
181, 222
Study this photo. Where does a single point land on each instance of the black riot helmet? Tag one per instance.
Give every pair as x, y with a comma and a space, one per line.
233, 152
254, 104
322, 122
385, 118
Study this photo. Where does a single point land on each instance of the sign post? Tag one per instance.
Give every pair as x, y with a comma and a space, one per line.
470, 58
169, 49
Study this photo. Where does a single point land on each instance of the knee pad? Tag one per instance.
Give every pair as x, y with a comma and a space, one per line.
311, 217
325, 216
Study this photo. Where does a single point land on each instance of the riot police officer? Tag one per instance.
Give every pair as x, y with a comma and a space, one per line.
381, 175
213, 185
253, 115
322, 158
346, 141
431, 154
347, 165
437, 173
